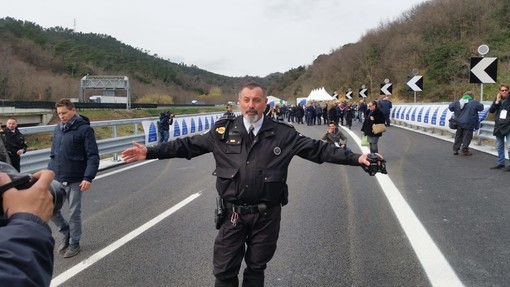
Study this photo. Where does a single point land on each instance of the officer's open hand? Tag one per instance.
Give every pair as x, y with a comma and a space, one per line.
138, 152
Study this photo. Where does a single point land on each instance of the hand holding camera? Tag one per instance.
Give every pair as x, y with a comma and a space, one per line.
38, 194
377, 164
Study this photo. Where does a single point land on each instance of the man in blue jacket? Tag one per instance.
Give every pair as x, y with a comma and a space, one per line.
26, 244
466, 112
74, 158
385, 106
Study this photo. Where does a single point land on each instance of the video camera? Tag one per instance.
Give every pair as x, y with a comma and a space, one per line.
25, 180
376, 165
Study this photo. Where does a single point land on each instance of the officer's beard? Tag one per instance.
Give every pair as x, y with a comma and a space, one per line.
251, 116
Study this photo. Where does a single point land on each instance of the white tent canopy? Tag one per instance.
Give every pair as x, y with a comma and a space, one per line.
272, 101
319, 95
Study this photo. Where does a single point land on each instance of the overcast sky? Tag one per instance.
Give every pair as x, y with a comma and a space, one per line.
227, 37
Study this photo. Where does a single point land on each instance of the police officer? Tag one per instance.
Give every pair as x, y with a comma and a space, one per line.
252, 154
14, 142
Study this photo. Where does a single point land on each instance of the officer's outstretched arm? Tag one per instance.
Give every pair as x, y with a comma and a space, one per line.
138, 152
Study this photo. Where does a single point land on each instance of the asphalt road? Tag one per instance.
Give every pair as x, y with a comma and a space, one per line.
340, 228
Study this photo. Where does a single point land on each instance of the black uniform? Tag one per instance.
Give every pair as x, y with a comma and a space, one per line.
247, 176
14, 141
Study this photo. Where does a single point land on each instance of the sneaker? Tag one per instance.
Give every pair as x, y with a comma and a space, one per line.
499, 166
507, 169
62, 247
456, 152
466, 153
73, 250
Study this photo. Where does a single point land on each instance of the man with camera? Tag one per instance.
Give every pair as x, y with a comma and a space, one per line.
252, 154
26, 243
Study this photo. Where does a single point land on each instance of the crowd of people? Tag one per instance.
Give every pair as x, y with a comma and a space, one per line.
342, 112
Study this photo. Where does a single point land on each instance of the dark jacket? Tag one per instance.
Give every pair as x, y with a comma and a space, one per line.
332, 114
367, 123
501, 126
467, 117
385, 106
74, 154
26, 252
14, 141
257, 173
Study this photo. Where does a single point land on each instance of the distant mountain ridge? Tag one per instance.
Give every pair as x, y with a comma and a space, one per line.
436, 37
46, 63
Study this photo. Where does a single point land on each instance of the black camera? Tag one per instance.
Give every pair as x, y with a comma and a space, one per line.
376, 165
24, 180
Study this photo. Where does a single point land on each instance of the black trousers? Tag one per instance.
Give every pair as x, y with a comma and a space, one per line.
463, 138
253, 238
15, 160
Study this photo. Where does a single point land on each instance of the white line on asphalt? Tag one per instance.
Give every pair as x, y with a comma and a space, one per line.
115, 245
438, 270
125, 168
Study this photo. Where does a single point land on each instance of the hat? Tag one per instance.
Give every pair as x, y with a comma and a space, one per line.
467, 97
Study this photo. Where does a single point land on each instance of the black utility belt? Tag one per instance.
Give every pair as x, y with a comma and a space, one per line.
242, 209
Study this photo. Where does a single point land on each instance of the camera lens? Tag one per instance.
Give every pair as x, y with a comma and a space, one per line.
58, 192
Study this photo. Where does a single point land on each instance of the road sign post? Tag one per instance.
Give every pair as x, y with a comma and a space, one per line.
483, 70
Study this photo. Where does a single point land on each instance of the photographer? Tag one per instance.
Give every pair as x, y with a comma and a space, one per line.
164, 125
26, 243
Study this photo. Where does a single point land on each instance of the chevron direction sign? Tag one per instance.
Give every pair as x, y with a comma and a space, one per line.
349, 95
484, 70
386, 89
415, 83
363, 92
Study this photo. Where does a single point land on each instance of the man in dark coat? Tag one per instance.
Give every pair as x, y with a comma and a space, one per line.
501, 107
14, 142
252, 154
466, 112
385, 106
74, 158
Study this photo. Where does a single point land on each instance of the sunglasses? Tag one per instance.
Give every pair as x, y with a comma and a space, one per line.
503, 90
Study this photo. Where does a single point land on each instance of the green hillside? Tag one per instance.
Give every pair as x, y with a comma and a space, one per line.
437, 38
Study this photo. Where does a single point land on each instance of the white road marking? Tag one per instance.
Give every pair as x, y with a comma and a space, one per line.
125, 168
117, 244
438, 270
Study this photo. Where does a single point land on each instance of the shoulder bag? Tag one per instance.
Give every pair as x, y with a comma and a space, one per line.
378, 128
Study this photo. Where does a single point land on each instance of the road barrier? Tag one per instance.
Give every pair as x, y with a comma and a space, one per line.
183, 126
434, 117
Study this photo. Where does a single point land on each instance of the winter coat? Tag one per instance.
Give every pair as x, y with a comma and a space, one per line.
74, 155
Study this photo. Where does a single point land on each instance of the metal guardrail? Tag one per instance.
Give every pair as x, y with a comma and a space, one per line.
35, 160
485, 132
38, 159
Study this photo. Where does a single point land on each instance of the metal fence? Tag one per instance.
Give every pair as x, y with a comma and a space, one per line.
183, 126
38, 159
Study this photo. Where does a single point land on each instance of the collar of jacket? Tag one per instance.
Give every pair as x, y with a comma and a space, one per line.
267, 129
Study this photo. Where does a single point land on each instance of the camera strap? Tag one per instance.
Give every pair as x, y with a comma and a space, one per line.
16, 182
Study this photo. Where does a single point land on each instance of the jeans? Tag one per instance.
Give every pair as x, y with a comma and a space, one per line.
164, 136
73, 227
500, 146
372, 141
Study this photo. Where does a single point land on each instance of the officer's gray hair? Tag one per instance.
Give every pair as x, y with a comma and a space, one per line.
251, 86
